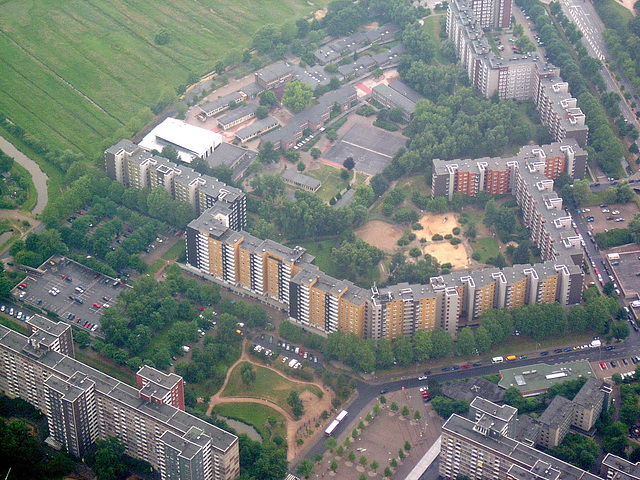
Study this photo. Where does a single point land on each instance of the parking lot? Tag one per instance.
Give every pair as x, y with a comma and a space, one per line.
605, 218
371, 148
75, 293
623, 366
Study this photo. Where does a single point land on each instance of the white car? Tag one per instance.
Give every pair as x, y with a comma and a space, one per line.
423, 377
423, 389
615, 212
284, 360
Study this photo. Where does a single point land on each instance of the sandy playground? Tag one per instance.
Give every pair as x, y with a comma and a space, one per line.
385, 236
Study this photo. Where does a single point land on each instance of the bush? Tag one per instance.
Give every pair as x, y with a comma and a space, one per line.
403, 241
448, 236
436, 237
411, 236
417, 226
423, 240
415, 252
475, 256
455, 241
456, 231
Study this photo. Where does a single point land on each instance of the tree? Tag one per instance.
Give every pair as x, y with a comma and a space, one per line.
374, 465
387, 472
363, 461
394, 407
247, 373
109, 463
297, 96
349, 163
620, 330
262, 112
330, 443
352, 456
305, 468
268, 99
416, 415
315, 153
466, 342
581, 190
405, 411
268, 154
295, 403
442, 343
334, 466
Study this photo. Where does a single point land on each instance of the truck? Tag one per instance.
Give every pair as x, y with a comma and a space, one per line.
595, 344
497, 360
292, 362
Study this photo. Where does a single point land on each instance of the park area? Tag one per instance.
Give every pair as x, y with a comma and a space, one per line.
270, 402
75, 72
385, 236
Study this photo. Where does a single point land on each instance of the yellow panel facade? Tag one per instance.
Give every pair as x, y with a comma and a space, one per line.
272, 276
426, 313
316, 307
244, 267
215, 258
518, 293
394, 318
548, 289
351, 317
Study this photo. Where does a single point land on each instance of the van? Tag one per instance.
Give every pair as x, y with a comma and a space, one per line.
511, 357
497, 360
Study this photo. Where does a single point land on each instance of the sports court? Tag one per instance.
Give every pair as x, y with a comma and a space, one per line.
371, 148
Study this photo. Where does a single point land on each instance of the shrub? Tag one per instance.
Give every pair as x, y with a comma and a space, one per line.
475, 256
455, 241
411, 237
403, 241
423, 240
417, 226
415, 252
448, 236
456, 231
436, 237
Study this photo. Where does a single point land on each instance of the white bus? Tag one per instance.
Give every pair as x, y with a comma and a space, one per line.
330, 429
497, 360
333, 425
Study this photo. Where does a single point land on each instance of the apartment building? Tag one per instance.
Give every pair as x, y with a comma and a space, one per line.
521, 77
83, 405
137, 168
483, 447
56, 336
616, 468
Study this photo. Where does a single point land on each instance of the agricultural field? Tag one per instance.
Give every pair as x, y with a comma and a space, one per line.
75, 71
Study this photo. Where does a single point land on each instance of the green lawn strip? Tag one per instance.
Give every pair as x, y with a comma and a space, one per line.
104, 367
486, 247
433, 26
268, 385
322, 251
519, 345
156, 266
13, 325
176, 250
256, 415
332, 184
32, 194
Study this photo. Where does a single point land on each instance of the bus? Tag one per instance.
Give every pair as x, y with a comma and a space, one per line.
330, 429
333, 425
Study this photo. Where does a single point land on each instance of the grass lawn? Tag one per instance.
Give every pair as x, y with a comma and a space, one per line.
13, 325
75, 71
518, 345
104, 367
176, 250
256, 415
433, 26
268, 385
322, 251
415, 183
155, 266
32, 195
487, 247
332, 184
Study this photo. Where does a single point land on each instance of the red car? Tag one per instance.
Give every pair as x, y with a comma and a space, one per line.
22, 286
425, 394
603, 365
466, 366
97, 305
202, 309
597, 271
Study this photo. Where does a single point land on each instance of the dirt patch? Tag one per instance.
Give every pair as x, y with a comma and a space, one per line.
628, 4
319, 14
456, 255
438, 223
380, 234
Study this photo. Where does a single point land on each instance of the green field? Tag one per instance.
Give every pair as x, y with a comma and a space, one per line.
176, 250
332, 184
268, 385
486, 247
104, 367
256, 415
73, 72
322, 251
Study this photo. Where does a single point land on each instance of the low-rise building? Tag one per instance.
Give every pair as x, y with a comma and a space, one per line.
237, 116
274, 75
302, 181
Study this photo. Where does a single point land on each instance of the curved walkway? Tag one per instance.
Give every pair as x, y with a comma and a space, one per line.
293, 425
38, 176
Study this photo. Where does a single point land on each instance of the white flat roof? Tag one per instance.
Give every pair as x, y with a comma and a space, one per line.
189, 140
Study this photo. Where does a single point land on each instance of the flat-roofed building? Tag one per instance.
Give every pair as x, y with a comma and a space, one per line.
188, 140
299, 180
274, 75
218, 105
